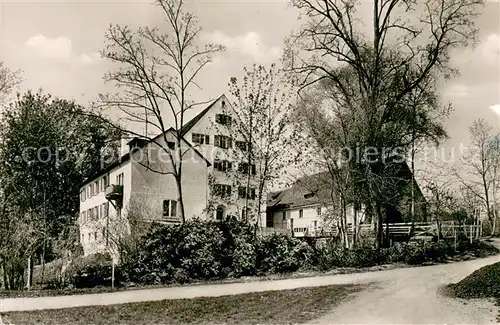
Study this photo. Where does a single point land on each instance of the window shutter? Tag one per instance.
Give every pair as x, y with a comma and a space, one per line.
165, 208
254, 170
173, 207
207, 139
229, 142
229, 165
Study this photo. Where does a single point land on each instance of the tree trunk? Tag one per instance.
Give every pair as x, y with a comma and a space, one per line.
378, 226
180, 197
355, 227
494, 208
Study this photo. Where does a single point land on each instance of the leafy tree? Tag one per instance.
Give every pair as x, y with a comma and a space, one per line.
48, 149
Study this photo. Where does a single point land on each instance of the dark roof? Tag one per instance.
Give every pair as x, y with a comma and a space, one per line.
308, 190
108, 168
189, 125
314, 189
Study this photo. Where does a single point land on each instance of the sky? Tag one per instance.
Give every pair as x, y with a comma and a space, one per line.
56, 43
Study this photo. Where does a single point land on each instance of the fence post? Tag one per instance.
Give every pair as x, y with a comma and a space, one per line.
455, 237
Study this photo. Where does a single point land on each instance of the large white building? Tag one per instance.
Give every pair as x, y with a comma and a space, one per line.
215, 179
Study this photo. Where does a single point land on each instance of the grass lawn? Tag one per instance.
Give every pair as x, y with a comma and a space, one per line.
271, 307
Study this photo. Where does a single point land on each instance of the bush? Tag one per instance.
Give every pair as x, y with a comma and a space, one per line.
279, 253
194, 250
91, 271
483, 283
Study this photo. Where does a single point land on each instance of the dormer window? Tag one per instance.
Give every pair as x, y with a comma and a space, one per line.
171, 145
223, 119
309, 195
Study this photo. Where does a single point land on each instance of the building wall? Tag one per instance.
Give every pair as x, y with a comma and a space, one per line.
91, 231
311, 217
208, 126
150, 188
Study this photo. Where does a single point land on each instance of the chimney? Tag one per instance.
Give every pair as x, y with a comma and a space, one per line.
124, 148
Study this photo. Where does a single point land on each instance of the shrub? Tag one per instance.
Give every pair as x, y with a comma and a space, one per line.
279, 253
91, 271
483, 283
194, 250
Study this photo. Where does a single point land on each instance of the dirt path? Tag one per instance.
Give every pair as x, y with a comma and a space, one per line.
411, 297
400, 296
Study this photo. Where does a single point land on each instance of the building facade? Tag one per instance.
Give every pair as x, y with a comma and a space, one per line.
217, 180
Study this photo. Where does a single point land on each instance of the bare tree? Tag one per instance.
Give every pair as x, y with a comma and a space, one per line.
8, 81
481, 167
262, 105
377, 74
156, 70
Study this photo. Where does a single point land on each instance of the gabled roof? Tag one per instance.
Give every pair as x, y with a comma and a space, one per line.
140, 143
189, 125
308, 190
315, 189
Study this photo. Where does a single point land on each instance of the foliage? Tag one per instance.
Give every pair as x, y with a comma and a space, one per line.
482, 283
91, 271
47, 150
279, 253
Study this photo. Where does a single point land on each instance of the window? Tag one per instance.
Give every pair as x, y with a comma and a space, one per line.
89, 236
91, 190
95, 235
82, 195
200, 138
269, 220
315, 224
219, 214
119, 179
83, 238
106, 209
223, 119
318, 211
245, 167
284, 215
242, 193
222, 190
301, 213
308, 195
96, 213
242, 145
171, 145
96, 187
169, 208
223, 141
244, 213
82, 217
223, 165
101, 210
